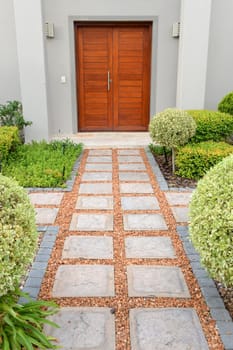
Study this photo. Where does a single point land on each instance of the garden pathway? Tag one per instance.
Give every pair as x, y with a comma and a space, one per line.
118, 268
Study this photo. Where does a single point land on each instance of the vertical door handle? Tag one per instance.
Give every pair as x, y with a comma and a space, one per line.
109, 80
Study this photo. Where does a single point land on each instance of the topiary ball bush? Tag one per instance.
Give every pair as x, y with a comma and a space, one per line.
226, 104
211, 221
172, 128
18, 234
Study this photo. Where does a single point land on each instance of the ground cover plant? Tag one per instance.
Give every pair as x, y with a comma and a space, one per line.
42, 164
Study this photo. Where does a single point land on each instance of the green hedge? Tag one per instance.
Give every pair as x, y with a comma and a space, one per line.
226, 104
194, 160
9, 139
211, 221
211, 125
18, 235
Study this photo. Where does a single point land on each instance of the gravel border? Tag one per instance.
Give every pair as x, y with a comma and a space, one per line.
214, 301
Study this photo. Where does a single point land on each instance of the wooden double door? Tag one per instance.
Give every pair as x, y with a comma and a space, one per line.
113, 76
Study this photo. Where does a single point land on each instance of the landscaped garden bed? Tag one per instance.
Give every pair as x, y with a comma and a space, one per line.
42, 164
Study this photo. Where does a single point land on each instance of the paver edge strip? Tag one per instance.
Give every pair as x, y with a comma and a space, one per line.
218, 310
37, 271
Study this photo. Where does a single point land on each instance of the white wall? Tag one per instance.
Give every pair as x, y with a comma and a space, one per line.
193, 53
30, 47
220, 59
60, 51
9, 70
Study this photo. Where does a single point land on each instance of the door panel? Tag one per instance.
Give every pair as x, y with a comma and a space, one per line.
94, 60
124, 52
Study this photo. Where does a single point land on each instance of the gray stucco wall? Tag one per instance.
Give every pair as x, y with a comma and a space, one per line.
220, 58
60, 51
9, 71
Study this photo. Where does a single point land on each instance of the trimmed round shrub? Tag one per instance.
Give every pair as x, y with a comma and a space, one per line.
194, 160
211, 125
226, 104
172, 128
211, 216
18, 235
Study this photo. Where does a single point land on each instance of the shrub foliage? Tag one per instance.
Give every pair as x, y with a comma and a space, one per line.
226, 104
194, 160
9, 139
172, 128
18, 235
211, 125
211, 215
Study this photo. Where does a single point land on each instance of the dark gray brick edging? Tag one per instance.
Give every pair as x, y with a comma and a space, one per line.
69, 183
39, 266
213, 299
159, 176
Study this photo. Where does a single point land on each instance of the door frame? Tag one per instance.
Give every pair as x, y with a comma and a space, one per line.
113, 20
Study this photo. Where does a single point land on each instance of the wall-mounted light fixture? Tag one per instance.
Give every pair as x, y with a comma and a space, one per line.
49, 30
176, 30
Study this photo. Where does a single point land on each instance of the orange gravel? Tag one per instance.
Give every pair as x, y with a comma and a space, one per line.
121, 302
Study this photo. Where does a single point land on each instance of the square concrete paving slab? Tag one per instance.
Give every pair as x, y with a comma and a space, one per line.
159, 281
100, 188
139, 203
99, 159
95, 202
46, 216
180, 214
166, 329
83, 328
91, 222
149, 247
130, 159
144, 222
46, 198
100, 152
98, 166
133, 176
132, 166
181, 198
128, 152
84, 281
97, 176
134, 187
88, 247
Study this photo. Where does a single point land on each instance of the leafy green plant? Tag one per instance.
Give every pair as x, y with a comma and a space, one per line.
194, 160
42, 164
9, 139
172, 128
211, 221
18, 234
11, 114
211, 125
226, 104
160, 150
21, 326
